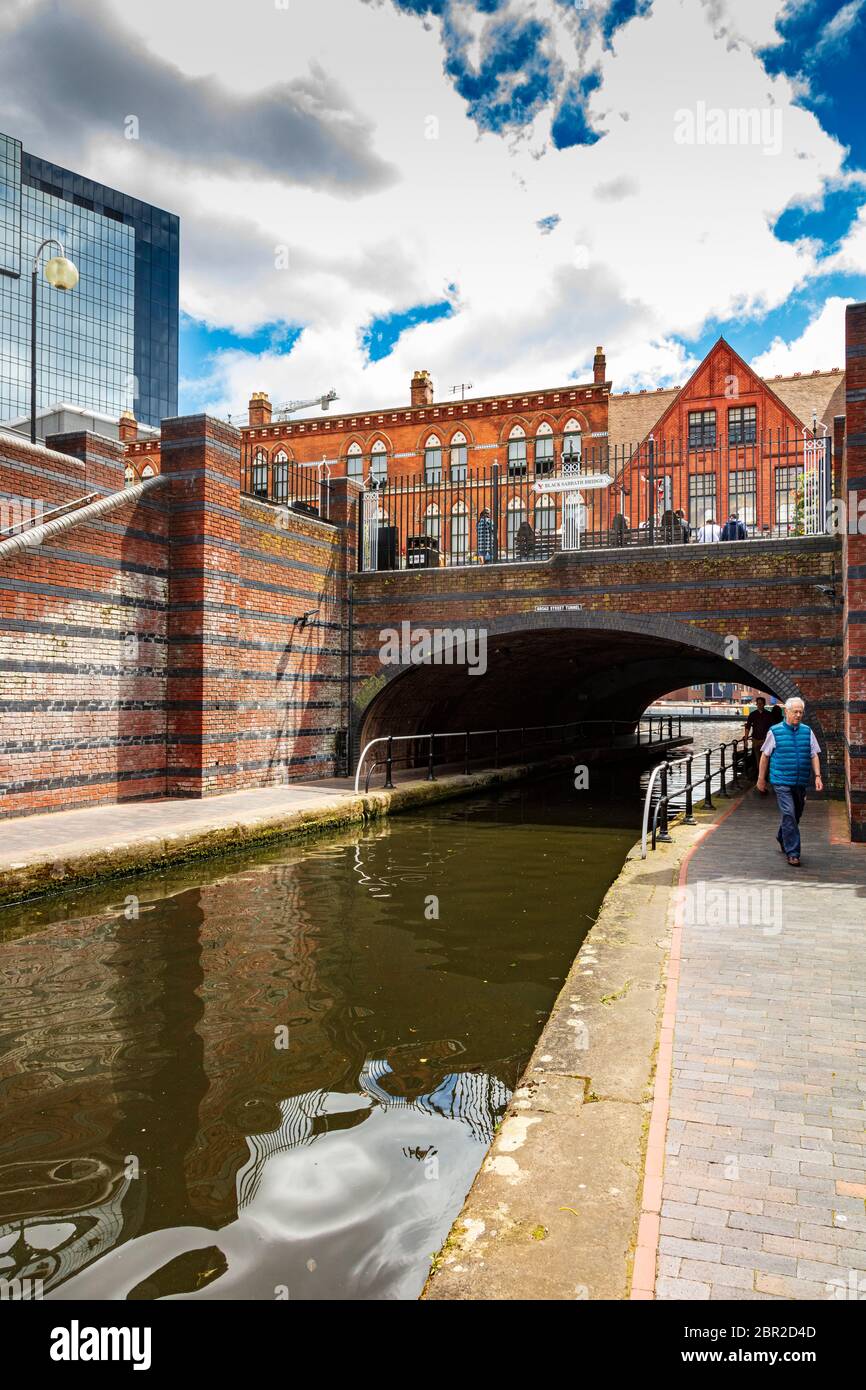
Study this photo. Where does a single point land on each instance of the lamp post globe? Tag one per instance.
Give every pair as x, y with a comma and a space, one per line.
61, 273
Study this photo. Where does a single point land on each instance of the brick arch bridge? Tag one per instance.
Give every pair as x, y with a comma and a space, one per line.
595, 636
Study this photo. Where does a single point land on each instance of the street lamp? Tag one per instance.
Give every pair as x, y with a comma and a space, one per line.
61, 274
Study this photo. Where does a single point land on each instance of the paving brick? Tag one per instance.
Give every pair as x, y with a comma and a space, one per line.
681, 1288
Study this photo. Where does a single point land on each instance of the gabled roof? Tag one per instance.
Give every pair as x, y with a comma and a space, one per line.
823, 392
633, 417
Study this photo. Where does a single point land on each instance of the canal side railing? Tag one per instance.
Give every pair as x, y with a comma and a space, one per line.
647, 732
738, 748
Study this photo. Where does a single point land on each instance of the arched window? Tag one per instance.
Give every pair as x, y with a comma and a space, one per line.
260, 473
379, 461
544, 449
432, 526
544, 522
147, 471
355, 463
517, 452
459, 534
572, 444
433, 460
128, 475
458, 457
515, 517
280, 475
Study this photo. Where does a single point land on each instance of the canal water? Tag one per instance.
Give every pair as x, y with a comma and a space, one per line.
276, 1075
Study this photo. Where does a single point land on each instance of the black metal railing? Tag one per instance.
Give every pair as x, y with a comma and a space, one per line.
467, 746
303, 487
732, 758
657, 494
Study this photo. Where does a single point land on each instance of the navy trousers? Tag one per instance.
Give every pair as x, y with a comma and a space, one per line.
791, 802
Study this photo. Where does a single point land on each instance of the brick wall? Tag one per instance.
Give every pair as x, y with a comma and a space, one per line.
82, 635
854, 569
161, 650
640, 614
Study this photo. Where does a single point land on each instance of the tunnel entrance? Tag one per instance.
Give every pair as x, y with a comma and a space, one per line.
551, 668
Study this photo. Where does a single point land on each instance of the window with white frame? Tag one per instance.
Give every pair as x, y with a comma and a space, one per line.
280, 475
379, 461
515, 517
459, 452
433, 524
433, 460
260, 473
544, 520
355, 463
544, 455
459, 534
517, 452
572, 442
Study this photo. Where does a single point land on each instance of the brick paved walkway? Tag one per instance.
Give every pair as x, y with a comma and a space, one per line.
765, 1152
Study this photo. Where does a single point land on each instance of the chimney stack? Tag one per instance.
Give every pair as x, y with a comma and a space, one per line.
421, 390
260, 410
127, 427
599, 367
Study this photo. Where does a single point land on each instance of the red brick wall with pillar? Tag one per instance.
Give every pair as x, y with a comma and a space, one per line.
82, 633
202, 456
854, 569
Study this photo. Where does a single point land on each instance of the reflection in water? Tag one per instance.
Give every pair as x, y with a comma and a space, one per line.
280, 1079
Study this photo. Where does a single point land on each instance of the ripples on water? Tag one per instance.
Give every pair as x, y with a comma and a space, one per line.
280, 1079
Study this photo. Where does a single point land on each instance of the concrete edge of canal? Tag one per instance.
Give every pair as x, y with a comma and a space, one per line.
553, 1212
78, 865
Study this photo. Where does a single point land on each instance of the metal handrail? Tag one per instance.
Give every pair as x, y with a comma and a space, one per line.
661, 770
523, 730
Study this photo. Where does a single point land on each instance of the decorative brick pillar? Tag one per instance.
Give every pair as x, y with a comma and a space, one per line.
202, 455
344, 510
854, 569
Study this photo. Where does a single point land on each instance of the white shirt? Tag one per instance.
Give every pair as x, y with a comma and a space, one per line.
709, 532
769, 744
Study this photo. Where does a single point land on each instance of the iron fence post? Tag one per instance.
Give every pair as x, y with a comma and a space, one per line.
689, 818
389, 764
466, 754
664, 834
723, 772
708, 784
431, 775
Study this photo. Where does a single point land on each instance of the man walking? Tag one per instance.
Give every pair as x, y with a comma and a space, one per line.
758, 726
734, 529
791, 753
710, 532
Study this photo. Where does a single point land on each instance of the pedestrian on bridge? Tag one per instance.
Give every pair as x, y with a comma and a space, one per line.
791, 753
710, 531
734, 529
758, 725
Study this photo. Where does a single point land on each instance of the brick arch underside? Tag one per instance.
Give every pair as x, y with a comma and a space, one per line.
554, 668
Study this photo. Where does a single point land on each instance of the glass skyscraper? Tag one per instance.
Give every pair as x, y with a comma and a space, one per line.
110, 344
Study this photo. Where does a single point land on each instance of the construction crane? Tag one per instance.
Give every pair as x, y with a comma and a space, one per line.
281, 411
289, 407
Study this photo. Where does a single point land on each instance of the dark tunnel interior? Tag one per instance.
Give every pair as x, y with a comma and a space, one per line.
548, 676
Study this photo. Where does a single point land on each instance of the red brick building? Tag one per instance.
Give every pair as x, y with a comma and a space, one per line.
727, 441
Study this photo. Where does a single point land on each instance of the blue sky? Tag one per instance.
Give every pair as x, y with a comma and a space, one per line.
485, 188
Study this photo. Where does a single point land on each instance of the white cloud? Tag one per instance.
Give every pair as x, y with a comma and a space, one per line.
691, 241
820, 346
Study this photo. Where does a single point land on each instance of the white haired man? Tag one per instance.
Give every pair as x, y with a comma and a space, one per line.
791, 753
